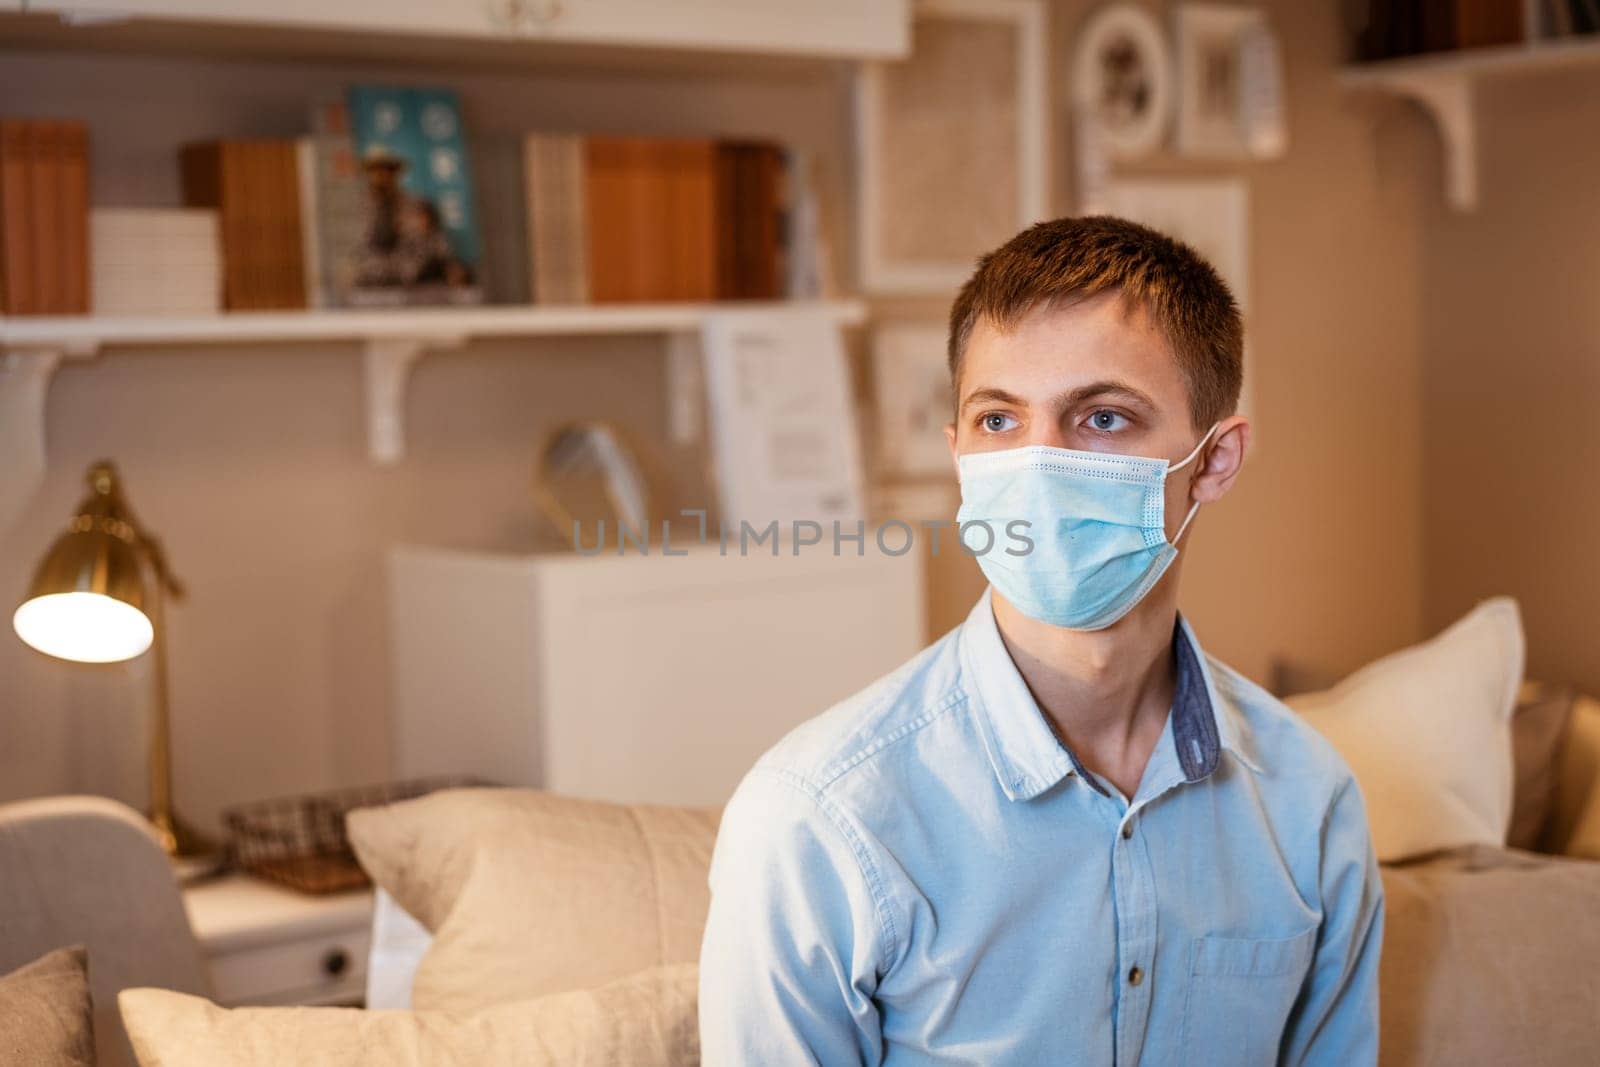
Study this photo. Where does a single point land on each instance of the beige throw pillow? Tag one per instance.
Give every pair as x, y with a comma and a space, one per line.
646, 1020
45, 1013
529, 893
1427, 732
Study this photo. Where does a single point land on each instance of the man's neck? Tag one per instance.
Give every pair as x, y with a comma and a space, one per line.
1105, 692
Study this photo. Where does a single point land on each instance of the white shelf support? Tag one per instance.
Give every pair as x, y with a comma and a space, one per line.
686, 388
388, 373
1448, 98
391, 340
24, 384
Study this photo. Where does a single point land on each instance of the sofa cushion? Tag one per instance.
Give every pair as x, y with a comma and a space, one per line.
1427, 732
646, 1020
527, 892
45, 1013
1489, 958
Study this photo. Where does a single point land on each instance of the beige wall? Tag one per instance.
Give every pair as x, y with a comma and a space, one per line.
1511, 328
251, 462
1316, 552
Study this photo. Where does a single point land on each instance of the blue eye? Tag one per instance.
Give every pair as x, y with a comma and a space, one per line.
1107, 421
997, 422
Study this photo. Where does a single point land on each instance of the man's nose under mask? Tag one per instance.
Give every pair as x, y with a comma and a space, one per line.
1095, 540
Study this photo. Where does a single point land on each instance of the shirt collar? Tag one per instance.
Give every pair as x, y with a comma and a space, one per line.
1027, 757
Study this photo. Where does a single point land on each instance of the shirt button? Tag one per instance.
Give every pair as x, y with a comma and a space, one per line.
1127, 829
1135, 976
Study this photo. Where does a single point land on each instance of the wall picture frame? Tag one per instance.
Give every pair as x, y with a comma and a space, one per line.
911, 386
1122, 85
951, 144
1228, 77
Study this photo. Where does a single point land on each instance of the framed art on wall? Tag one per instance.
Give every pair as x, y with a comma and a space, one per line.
911, 378
1122, 81
1229, 83
951, 144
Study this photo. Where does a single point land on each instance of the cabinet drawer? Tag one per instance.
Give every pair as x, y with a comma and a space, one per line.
330, 968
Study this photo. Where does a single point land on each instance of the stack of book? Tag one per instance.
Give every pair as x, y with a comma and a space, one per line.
389, 203
613, 219
44, 217
155, 261
1410, 27
254, 186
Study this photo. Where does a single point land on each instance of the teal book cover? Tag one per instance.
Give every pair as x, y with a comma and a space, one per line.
421, 242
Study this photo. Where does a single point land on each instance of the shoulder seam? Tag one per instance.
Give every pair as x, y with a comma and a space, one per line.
869, 869
833, 772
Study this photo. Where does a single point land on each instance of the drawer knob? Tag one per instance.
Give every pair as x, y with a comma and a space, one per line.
335, 962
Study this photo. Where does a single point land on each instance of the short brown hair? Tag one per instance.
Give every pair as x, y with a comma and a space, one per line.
1081, 257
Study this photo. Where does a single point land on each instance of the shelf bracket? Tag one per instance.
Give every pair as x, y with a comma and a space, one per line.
1448, 99
686, 387
25, 375
388, 362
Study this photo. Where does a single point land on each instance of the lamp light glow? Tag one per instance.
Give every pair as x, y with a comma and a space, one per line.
85, 627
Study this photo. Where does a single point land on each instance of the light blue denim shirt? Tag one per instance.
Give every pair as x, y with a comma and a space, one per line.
925, 874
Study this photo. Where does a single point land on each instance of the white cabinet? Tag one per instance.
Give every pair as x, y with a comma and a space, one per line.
649, 679
266, 945
857, 29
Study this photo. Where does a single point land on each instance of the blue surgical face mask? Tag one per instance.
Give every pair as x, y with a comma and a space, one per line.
1074, 539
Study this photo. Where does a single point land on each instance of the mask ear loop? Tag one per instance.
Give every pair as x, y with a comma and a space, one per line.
1179, 466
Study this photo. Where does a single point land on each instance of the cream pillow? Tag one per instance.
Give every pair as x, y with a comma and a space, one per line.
529, 893
645, 1020
1427, 732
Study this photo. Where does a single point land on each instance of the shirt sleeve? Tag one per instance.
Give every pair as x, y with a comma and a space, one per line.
795, 938
1335, 1021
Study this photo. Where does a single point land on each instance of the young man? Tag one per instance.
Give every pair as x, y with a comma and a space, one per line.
1062, 834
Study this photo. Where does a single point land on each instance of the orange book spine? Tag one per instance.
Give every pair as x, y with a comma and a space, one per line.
292, 260
44, 184
74, 224
689, 217
16, 220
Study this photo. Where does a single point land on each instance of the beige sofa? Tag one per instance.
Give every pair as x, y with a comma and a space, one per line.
1489, 953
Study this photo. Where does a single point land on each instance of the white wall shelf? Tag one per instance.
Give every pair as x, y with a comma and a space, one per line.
603, 32
1444, 85
33, 348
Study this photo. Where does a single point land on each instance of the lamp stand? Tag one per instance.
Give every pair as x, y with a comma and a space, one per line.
188, 848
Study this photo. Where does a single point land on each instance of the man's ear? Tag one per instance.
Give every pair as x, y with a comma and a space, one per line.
1222, 460
950, 435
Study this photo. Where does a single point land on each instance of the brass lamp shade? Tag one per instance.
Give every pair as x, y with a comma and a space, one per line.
87, 600
90, 601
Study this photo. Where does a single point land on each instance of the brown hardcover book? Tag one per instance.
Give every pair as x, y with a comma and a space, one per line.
692, 214
291, 273
44, 184
749, 223
253, 186
652, 219
74, 222
17, 293
1482, 23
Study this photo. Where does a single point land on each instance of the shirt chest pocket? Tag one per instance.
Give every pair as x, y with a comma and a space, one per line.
1240, 993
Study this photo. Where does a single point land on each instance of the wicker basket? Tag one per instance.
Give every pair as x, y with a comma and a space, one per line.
300, 841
